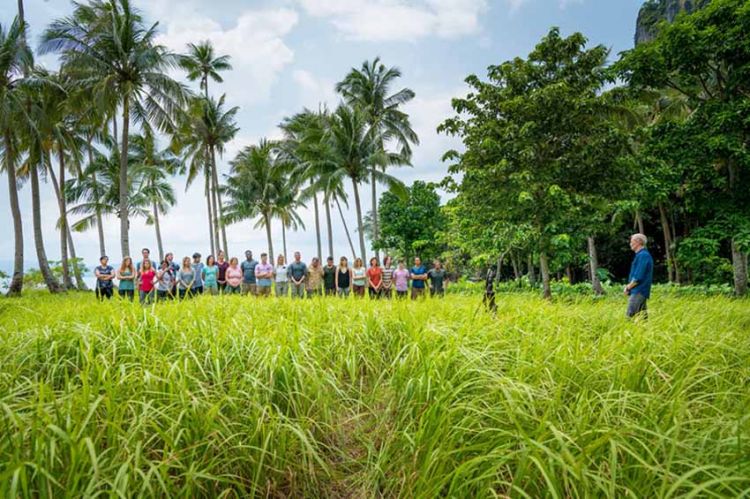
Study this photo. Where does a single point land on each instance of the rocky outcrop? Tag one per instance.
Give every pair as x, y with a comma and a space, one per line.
654, 11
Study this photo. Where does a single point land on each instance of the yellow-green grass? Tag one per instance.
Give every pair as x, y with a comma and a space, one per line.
242, 397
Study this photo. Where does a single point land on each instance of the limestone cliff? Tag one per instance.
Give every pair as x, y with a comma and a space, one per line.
655, 11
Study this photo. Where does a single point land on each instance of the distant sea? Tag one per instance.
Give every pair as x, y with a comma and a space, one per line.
7, 267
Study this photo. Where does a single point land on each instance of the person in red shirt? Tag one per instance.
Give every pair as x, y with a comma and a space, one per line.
374, 278
146, 278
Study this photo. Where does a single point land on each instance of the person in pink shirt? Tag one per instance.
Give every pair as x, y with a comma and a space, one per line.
233, 276
401, 280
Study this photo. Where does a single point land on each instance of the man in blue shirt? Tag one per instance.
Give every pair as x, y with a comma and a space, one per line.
197, 288
248, 274
297, 274
418, 276
641, 277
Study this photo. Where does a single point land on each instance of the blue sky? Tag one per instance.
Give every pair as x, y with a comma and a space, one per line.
289, 53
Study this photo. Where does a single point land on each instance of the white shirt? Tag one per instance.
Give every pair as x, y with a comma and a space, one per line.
280, 273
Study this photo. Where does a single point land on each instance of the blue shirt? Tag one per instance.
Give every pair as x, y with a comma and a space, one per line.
198, 269
418, 271
297, 270
642, 272
248, 271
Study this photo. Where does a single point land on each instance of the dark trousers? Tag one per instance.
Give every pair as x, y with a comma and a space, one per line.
129, 293
103, 293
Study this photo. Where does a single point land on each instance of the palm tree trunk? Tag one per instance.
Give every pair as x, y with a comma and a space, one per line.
514, 264
317, 223
346, 228
594, 266
157, 227
360, 227
283, 239
214, 200
532, 274
219, 214
99, 225
667, 242
124, 224
739, 266
375, 225
36, 217
544, 266
20, 11
16, 282
267, 217
80, 283
211, 237
67, 281
329, 226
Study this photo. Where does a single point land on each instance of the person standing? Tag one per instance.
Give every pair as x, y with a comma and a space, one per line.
374, 278
314, 278
197, 288
264, 276
401, 280
344, 277
248, 272
210, 276
126, 274
164, 281
387, 288
234, 277
223, 265
418, 276
281, 276
297, 274
436, 275
329, 277
359, 277
641, 276
174, 267
145, 255
104, 274
146, 278
185, 279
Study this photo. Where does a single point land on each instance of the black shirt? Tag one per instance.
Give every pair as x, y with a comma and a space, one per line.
329, 277
344, 278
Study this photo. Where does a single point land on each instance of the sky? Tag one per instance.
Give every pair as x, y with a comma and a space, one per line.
288, 54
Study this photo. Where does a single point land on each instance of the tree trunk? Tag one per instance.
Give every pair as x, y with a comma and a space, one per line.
667, 242
114, 129
36, 217
16, 282
740, 270
514, 264
360, 227
124, 223
375, 225
80, 283
211, 237
346, 229
215, 200
219, 209
67, 281
157, 227
594, 267
544, 267
532, 274
21, 12
267, 217
329, 226
99, 225
283, 240
639, 222
317, 224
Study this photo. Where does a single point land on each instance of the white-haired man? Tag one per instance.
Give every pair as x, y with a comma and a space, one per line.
641, 277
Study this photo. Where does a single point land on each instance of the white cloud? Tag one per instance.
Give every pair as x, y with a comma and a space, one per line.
400, 20
313, 90
564, 4
255, 44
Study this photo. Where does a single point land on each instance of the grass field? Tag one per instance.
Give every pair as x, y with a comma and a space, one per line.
238, 397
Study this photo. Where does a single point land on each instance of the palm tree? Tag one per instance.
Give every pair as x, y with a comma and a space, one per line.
106, 48
255, 186
156, 166
354, 150
15, 60
287, 204
369, 88
203, 134
201, 64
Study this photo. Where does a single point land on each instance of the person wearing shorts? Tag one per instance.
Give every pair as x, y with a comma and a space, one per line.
264, 276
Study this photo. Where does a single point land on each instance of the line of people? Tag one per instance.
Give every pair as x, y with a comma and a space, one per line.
219, 276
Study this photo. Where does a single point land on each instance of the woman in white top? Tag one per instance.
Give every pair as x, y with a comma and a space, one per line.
359, 277
281, 276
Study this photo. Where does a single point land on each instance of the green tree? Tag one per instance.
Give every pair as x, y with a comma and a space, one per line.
410, 226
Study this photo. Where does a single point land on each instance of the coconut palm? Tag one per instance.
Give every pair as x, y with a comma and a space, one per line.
255, 185
107, 49
203, 134
15, 60
156, 166
287, 204
369, 88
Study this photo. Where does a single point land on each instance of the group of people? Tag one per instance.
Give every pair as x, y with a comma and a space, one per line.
170, 280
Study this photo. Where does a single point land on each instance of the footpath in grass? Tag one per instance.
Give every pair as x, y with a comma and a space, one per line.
243, 397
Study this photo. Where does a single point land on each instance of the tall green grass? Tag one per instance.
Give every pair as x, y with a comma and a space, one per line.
242, 397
